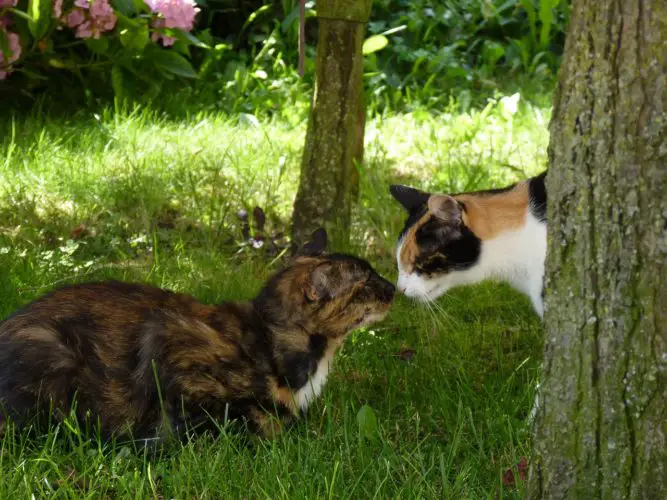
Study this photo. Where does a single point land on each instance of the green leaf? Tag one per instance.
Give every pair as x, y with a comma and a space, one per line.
291, 17
32, 75
188, 38
532, 17
117, 82
57, 63
368, 424
21, 14
125, 7
40, 17
129, 7
253, 16
99, 46
134, 38
171, 62
546, 18
374, 43
125, 22
492, 52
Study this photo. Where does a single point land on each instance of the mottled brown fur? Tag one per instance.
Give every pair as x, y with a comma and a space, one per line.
116, 348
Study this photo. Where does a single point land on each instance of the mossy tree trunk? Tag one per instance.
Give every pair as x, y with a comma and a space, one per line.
601, 428
329, 180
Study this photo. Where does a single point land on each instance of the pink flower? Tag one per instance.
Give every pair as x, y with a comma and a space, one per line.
14, 53
57, 8
172, 14
75, 18
91, 18
8, 3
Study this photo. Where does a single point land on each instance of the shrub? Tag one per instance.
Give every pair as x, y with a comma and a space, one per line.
100, 44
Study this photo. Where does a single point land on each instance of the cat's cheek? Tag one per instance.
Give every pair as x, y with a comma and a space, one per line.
412, 285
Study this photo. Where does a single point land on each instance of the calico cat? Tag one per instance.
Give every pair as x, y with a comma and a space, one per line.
145, 361
464, 238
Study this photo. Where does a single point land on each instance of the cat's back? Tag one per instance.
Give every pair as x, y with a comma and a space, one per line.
102, 304
96, 340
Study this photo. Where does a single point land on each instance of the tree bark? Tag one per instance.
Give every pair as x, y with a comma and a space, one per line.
328, 183
601, 425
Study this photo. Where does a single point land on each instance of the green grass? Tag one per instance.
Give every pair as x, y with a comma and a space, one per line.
450, 386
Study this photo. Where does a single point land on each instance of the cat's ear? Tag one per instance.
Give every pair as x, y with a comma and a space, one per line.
317, 244
318, 285
445, 208
410, 198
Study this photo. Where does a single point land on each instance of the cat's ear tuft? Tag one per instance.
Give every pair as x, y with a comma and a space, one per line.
445, 208
410, 198
318, 285
317, 244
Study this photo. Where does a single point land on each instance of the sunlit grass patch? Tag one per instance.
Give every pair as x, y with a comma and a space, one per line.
140, 197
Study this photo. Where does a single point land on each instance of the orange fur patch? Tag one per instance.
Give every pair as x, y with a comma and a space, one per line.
410, 249
283, 395
269, 426
488, 215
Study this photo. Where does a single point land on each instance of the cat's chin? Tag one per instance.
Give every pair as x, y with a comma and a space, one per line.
370, 319
374, 318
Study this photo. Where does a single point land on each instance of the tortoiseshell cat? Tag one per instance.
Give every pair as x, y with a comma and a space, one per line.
101, 348
465, 238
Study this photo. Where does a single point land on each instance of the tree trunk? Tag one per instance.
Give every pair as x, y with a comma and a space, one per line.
602, 421
334, 141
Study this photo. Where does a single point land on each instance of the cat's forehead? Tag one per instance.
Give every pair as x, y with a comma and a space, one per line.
338, 261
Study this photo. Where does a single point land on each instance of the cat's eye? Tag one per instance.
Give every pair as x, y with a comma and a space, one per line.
432, 263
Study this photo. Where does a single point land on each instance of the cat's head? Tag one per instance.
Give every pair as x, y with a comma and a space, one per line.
436, 249
325, 294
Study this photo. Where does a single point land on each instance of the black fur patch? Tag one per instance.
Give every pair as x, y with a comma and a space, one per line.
538, 197
301, 366
413, 217
445, 249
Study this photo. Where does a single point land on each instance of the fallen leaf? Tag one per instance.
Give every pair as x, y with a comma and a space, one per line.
260, 218
509, 479
77, 232
406, 354
522, 467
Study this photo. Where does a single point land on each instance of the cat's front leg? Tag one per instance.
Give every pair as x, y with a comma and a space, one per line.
266, 424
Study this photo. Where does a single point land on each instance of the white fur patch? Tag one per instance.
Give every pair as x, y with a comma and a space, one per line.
312, 390
516, 256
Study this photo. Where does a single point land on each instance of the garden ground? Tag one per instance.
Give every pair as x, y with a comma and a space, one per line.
444, 391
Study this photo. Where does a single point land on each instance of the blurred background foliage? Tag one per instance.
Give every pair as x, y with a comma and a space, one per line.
419, 53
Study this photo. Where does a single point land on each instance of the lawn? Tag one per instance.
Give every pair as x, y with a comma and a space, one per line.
137, 196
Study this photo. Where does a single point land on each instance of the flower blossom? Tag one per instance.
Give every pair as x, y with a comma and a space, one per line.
91, 18
172, 14
8, 3
14, 53
57, 8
